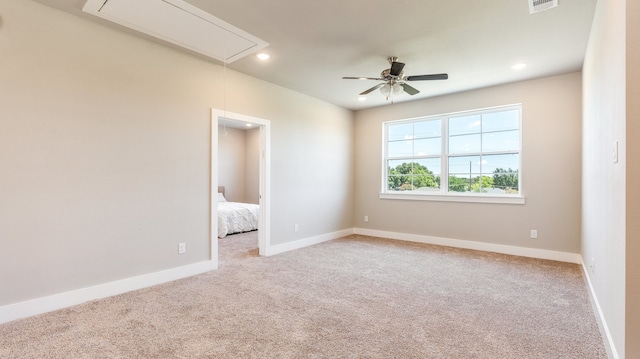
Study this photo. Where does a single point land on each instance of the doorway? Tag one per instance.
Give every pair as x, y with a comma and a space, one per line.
218, 117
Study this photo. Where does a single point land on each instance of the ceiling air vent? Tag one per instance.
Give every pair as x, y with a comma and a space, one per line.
541, 5
179, 23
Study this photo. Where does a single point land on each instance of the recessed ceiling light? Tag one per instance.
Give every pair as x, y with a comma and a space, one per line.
263, 56
519, 66
362, 98
249, 125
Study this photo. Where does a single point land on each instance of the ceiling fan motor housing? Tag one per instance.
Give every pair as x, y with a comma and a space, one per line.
386, 74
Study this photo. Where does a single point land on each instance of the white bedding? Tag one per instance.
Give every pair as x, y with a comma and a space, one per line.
236, 217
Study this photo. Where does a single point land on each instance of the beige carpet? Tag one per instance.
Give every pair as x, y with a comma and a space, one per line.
355, 297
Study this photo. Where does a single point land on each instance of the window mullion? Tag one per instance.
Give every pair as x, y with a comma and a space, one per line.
444, 156
481, 149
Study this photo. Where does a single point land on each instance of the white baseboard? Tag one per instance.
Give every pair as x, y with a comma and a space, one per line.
67, 299
305, 242
479, 246
607, 333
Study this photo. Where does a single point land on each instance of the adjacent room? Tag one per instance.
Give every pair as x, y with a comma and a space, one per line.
433, 179
239, 170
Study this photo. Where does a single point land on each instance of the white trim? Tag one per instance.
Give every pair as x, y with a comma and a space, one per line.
469, 198
479, 246
67, 299
264, 234
213, 192
609, 339
305, 242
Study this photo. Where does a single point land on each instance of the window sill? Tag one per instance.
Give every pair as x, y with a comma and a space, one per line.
470, 198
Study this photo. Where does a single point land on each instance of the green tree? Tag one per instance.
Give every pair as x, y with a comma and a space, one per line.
396, 179
409, 176
482, 184
506, 179
457, 184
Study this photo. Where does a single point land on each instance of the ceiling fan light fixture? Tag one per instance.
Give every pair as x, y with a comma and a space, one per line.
385, 89
397, 89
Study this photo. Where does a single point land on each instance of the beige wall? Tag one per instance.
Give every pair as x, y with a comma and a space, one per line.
550, 170
231, 162
632, 317
604, 189
611, 211
239, 164
105, 154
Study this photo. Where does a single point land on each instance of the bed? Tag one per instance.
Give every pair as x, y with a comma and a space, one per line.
235, 217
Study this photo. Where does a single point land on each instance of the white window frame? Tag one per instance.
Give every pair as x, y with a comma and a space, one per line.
443, 194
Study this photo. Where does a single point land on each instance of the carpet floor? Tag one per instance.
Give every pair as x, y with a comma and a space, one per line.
354, 297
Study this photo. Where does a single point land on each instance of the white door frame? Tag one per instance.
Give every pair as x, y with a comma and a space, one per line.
264, 226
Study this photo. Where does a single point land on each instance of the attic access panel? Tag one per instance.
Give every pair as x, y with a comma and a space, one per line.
179, 23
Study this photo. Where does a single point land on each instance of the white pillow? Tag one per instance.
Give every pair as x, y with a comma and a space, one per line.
221, 197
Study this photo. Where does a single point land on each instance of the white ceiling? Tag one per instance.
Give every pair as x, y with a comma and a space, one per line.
314, 44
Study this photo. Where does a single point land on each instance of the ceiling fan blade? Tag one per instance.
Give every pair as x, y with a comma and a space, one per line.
409, 89
362, 78
396, 68
427, 77
372, 89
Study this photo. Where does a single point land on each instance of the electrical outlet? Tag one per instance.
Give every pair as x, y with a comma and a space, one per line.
182, 248
534, 234
295, 227
366, 218
592, 265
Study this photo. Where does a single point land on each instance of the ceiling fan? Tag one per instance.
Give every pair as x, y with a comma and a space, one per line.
395, 80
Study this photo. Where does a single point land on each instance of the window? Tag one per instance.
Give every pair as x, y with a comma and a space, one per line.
470, 156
